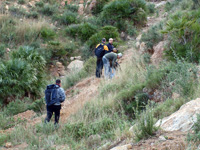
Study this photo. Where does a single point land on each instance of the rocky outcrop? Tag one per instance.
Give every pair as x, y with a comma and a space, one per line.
157, 56
75, 65
183, 119
124, 147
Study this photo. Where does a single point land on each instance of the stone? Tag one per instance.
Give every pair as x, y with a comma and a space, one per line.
157, 56
59, 64
175, 95
122, 35
92, 4
7, 7
137, 45
75, 65
7, 50
78, 57
162, 3
55, 74
183, 119
61, 73
8, 145
139, 38
31, 4
124, 147
142, 48
72, 58
81, 9
93, 140
162, 138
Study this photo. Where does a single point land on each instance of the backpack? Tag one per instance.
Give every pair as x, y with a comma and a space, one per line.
99, 51
51, 94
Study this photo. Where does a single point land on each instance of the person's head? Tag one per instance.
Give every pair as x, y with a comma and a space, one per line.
104, 40
58, 82
110, 40
119, 55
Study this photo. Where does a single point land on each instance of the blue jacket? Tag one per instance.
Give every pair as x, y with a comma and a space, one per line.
110, 48
58, 97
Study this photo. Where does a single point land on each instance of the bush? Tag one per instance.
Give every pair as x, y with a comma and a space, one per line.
73, 8
83, 31
99, 6
151, 8
145, 125
152, 36
48, 9
21, 1
25, 64
37, 105
120, 10
39, 4
195, 136
2, 50
183, 36
66, 18
33, 14
17, 12
47, 33
106, 32
3, 138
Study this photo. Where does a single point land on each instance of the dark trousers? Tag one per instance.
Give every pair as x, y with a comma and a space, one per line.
53, 109
99, 67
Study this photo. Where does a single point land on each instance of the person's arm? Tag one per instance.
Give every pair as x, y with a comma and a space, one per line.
61, 94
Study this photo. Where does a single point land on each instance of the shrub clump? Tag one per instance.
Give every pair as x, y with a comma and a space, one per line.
67, 18
83, 31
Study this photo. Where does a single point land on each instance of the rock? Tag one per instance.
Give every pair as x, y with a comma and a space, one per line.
7, 7
162, 3
162, 138
76, 65
72, 58
175, 95
93, 140
122, 35
165, 14
7, 50
139, 38
137, 44
25, 115
55, 74
61, 73
78, 57
92, 4
124, 147
81, 9
59, 65
8, 145
156, 58
183, 119
31, 4
142, 48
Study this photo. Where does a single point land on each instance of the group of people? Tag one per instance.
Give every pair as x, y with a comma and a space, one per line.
107, 57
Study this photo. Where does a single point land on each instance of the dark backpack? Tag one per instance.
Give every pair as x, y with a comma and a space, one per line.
99, 51
51, 94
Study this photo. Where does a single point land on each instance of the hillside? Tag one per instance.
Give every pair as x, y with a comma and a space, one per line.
157, 80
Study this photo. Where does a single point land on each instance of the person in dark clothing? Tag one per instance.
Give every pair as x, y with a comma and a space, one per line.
99, 63
110, 46
56, 107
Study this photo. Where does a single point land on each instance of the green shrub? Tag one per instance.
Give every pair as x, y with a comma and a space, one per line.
90, 65
152, 36
48, 9
16, 107
99, 6
3, 138
33, 14
83, 31
23, 74
73, 8
17, 11
2, 50
151, 8
145, 125
21, 1
106, 32
47, 33
37, 105
120, 10
66, 18
39, 4
6, 121
195, 136
183, 37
